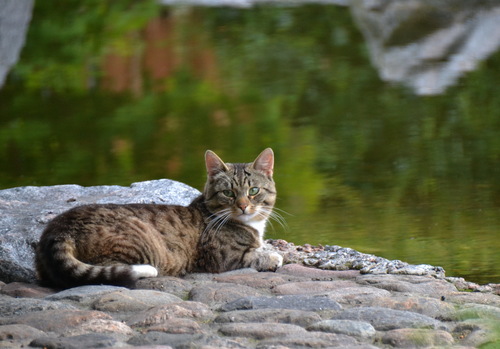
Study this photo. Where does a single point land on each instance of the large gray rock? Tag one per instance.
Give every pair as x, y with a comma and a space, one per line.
25, 211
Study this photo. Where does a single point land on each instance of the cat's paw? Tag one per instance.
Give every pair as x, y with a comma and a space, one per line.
269, 261
140, 271
276, 260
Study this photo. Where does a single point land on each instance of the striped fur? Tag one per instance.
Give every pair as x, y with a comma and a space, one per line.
220, 230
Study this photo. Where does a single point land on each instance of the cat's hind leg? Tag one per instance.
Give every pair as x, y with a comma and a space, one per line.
140, 271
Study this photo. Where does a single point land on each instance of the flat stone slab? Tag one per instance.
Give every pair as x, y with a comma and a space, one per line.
300, 302
417, 338
384, 319
287, 316
348, 327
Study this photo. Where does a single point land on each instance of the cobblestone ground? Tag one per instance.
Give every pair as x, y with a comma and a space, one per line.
295, 307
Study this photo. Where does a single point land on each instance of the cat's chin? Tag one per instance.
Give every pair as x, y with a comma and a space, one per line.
245, 218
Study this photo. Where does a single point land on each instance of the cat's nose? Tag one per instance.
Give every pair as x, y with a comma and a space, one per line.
243, 206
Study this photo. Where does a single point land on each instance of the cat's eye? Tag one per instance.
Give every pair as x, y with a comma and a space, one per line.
228, 193
253, 191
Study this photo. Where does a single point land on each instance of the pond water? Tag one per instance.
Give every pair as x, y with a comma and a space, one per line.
118, 92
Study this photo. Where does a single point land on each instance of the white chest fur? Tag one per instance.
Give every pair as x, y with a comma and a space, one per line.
260, 226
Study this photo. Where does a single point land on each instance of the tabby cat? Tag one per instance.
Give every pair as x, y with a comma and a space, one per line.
220, 230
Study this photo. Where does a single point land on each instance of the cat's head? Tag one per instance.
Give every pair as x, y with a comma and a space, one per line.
244, 192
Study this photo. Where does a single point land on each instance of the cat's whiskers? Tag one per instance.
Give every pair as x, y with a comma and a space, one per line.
277, 217
219, 219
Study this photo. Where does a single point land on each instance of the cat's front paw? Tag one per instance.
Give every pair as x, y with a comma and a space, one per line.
276, 260
269, 261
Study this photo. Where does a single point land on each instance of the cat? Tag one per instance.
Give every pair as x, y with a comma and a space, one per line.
221, 230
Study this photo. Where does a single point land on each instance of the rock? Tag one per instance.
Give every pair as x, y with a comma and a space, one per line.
432, 307
186, 340
311, 340
132, 300
89, 340
84, 295
287, 316
25, 211
18, 332
117, 328
260, 330
312, 287
411, 284
163, 313
473, 297
169, 284
219, 293
58, 321
21, 306
317, 274
475, 311
23, 290
476, 332
384, 319
417, 338
343, 258
357, 295
264, 280
177, 326
299, 302
348, 327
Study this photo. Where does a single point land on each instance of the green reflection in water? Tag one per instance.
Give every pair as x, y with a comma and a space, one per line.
359, 163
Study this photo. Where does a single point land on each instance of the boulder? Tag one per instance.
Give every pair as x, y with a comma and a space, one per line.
24, 212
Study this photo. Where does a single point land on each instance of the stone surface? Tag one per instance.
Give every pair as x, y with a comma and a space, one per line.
300, 302
312, 287
287, 316
163, 313
260, 330
384, 319
348, 327
417, 338
310, 340
18, 332
172, 285
21, 289
221, 293
20, 306
318, 274
88, 340
363, 316
132, 300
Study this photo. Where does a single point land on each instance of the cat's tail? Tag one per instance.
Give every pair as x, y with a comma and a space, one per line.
57, 266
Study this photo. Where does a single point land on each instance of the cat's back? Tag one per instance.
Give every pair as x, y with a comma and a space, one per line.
105, 217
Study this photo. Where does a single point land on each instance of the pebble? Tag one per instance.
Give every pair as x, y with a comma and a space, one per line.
295, 307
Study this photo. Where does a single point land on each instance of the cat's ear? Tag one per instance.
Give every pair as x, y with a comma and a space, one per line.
265, 162
214, 163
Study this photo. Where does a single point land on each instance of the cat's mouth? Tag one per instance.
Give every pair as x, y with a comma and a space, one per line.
244, 216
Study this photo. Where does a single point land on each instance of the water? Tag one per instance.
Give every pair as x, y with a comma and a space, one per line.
106, 95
